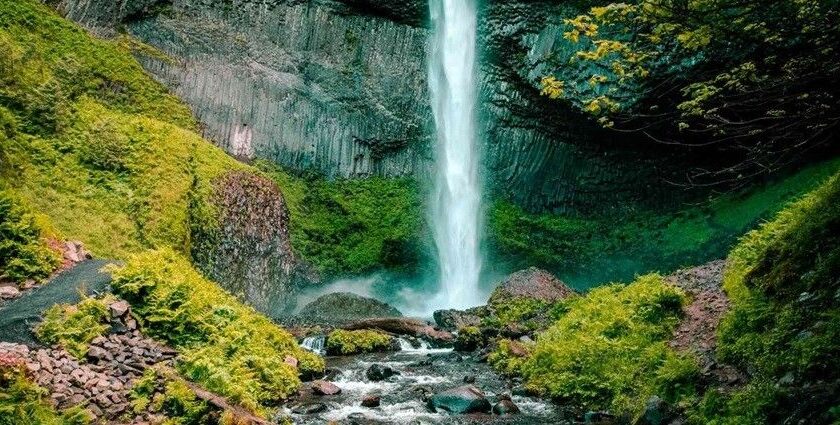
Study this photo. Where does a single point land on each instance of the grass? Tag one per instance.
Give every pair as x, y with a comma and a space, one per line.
225, 346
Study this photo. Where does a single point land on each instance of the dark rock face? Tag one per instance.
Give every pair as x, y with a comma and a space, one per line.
464, 399
531, 283
248, 251
452, 320
340, 87
377, 372
344, 307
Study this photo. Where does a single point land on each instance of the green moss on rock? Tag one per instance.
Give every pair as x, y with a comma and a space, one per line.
342, 342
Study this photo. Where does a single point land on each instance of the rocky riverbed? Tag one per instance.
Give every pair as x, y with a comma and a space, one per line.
423, 384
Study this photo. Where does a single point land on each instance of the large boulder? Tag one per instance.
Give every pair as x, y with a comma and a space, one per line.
531, 283
344, 307
246, 247
463, 399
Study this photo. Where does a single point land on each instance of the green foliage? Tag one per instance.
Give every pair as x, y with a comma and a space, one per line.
48, 63
341, 342
469, 338
23, 252
507, 360
22, 402
224, 345
517, 310
172, 397
352, 226
609, 350
713, 74
75, 326
785, 320
589, 250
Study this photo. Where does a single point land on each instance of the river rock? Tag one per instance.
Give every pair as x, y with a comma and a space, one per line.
599, 418
505, 406
463, 399
344, 307
657, 412
531, 283
321, 387
118, 308
377, 372
452, 320
405, 326
8, 292
309, 408
371, 400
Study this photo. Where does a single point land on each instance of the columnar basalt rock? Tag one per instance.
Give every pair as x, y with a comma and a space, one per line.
248, 251
340, 87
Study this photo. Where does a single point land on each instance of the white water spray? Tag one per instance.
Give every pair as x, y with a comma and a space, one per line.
456, 204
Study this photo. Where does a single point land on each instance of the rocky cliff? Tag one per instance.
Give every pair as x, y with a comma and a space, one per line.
340, 87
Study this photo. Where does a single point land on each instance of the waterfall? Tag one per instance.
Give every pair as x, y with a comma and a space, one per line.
456, 203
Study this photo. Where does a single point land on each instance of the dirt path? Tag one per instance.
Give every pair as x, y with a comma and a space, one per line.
697, 333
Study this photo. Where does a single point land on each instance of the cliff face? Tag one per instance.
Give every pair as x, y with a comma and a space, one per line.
340, 87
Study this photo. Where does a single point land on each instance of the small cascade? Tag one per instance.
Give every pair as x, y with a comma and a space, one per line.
314, 344
419, 346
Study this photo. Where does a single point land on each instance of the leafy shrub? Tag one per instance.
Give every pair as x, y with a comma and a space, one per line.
224, 345
506, 360
343, 342
75, 326
609, 350
22, 402
169, 395
529, 313
23, 252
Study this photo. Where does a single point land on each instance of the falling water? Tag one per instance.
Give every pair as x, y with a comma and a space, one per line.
457, 197
314, 344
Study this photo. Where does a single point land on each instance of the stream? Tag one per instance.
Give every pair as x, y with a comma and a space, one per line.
422, 372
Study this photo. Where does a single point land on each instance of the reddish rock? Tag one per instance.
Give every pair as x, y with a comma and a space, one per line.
291, 361
321, 387
371, 400
531, 283
118, 309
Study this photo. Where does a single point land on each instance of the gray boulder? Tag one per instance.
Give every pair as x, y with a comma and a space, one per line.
344, 307
460, 400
